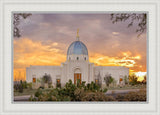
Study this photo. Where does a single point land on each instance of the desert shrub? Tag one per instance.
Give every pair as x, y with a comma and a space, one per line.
92, 87
133, 80
44, 97
69, 89
104, 90
83, 84
66, 98
136, 96
24, 84
89, 97
79, 93
20, 88
132, 96
29, 85
97, 96
110, 98
41, 87
144, 80
72, 92
108, 79
58, 85
16, 87
120, 97
126, 79
32, 98
47, 79
38, 93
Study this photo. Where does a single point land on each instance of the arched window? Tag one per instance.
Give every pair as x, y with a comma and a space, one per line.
77, 58
34, 80
85, 58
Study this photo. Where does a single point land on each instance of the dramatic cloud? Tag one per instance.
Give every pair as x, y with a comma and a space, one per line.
46, 38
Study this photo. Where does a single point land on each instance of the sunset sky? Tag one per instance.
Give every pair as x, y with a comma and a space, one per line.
46, 38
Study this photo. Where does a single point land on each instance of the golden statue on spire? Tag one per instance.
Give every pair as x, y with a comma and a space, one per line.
77, 33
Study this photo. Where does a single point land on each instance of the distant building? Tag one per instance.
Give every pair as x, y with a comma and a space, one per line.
77, 66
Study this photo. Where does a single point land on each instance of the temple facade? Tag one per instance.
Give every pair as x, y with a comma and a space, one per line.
77, 66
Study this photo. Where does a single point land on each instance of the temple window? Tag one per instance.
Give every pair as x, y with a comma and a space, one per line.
120, 80
58, 82
34, 80
96, 81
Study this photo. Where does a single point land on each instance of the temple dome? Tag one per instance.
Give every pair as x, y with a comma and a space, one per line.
77, 48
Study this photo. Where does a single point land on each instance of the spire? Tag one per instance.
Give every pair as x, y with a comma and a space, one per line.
77, 35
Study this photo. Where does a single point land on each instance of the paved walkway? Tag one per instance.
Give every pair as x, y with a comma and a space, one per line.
21, 98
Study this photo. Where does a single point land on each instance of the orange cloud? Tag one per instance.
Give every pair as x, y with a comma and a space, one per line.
28, 52
125, 59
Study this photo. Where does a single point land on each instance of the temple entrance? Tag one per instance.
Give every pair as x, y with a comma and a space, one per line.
76, 77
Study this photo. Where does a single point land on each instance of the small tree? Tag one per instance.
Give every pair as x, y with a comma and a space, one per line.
99, 79
133, 79
144, 80
125, 79
21, 87
16, 21
108, 79
29, 85
47, 79
114, 82
24, 84
140, 20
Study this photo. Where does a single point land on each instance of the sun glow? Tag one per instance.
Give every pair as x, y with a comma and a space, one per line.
51, 54
140, 75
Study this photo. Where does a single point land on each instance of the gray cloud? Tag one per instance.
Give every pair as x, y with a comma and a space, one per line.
96, 31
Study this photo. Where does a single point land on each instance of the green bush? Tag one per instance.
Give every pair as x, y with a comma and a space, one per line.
20, 87
133, 80
58, 85
92, 87
24, 84
29, 85
38, 93
72, 92
82, 92
104, 90
108, 79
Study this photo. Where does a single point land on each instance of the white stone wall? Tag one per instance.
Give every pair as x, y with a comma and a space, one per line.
116, 72
66, 71
39, 72
71, 65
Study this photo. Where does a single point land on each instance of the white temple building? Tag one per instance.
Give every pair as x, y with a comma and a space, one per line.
77, 66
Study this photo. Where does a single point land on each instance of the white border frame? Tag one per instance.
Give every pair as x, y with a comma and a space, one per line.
7, 6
